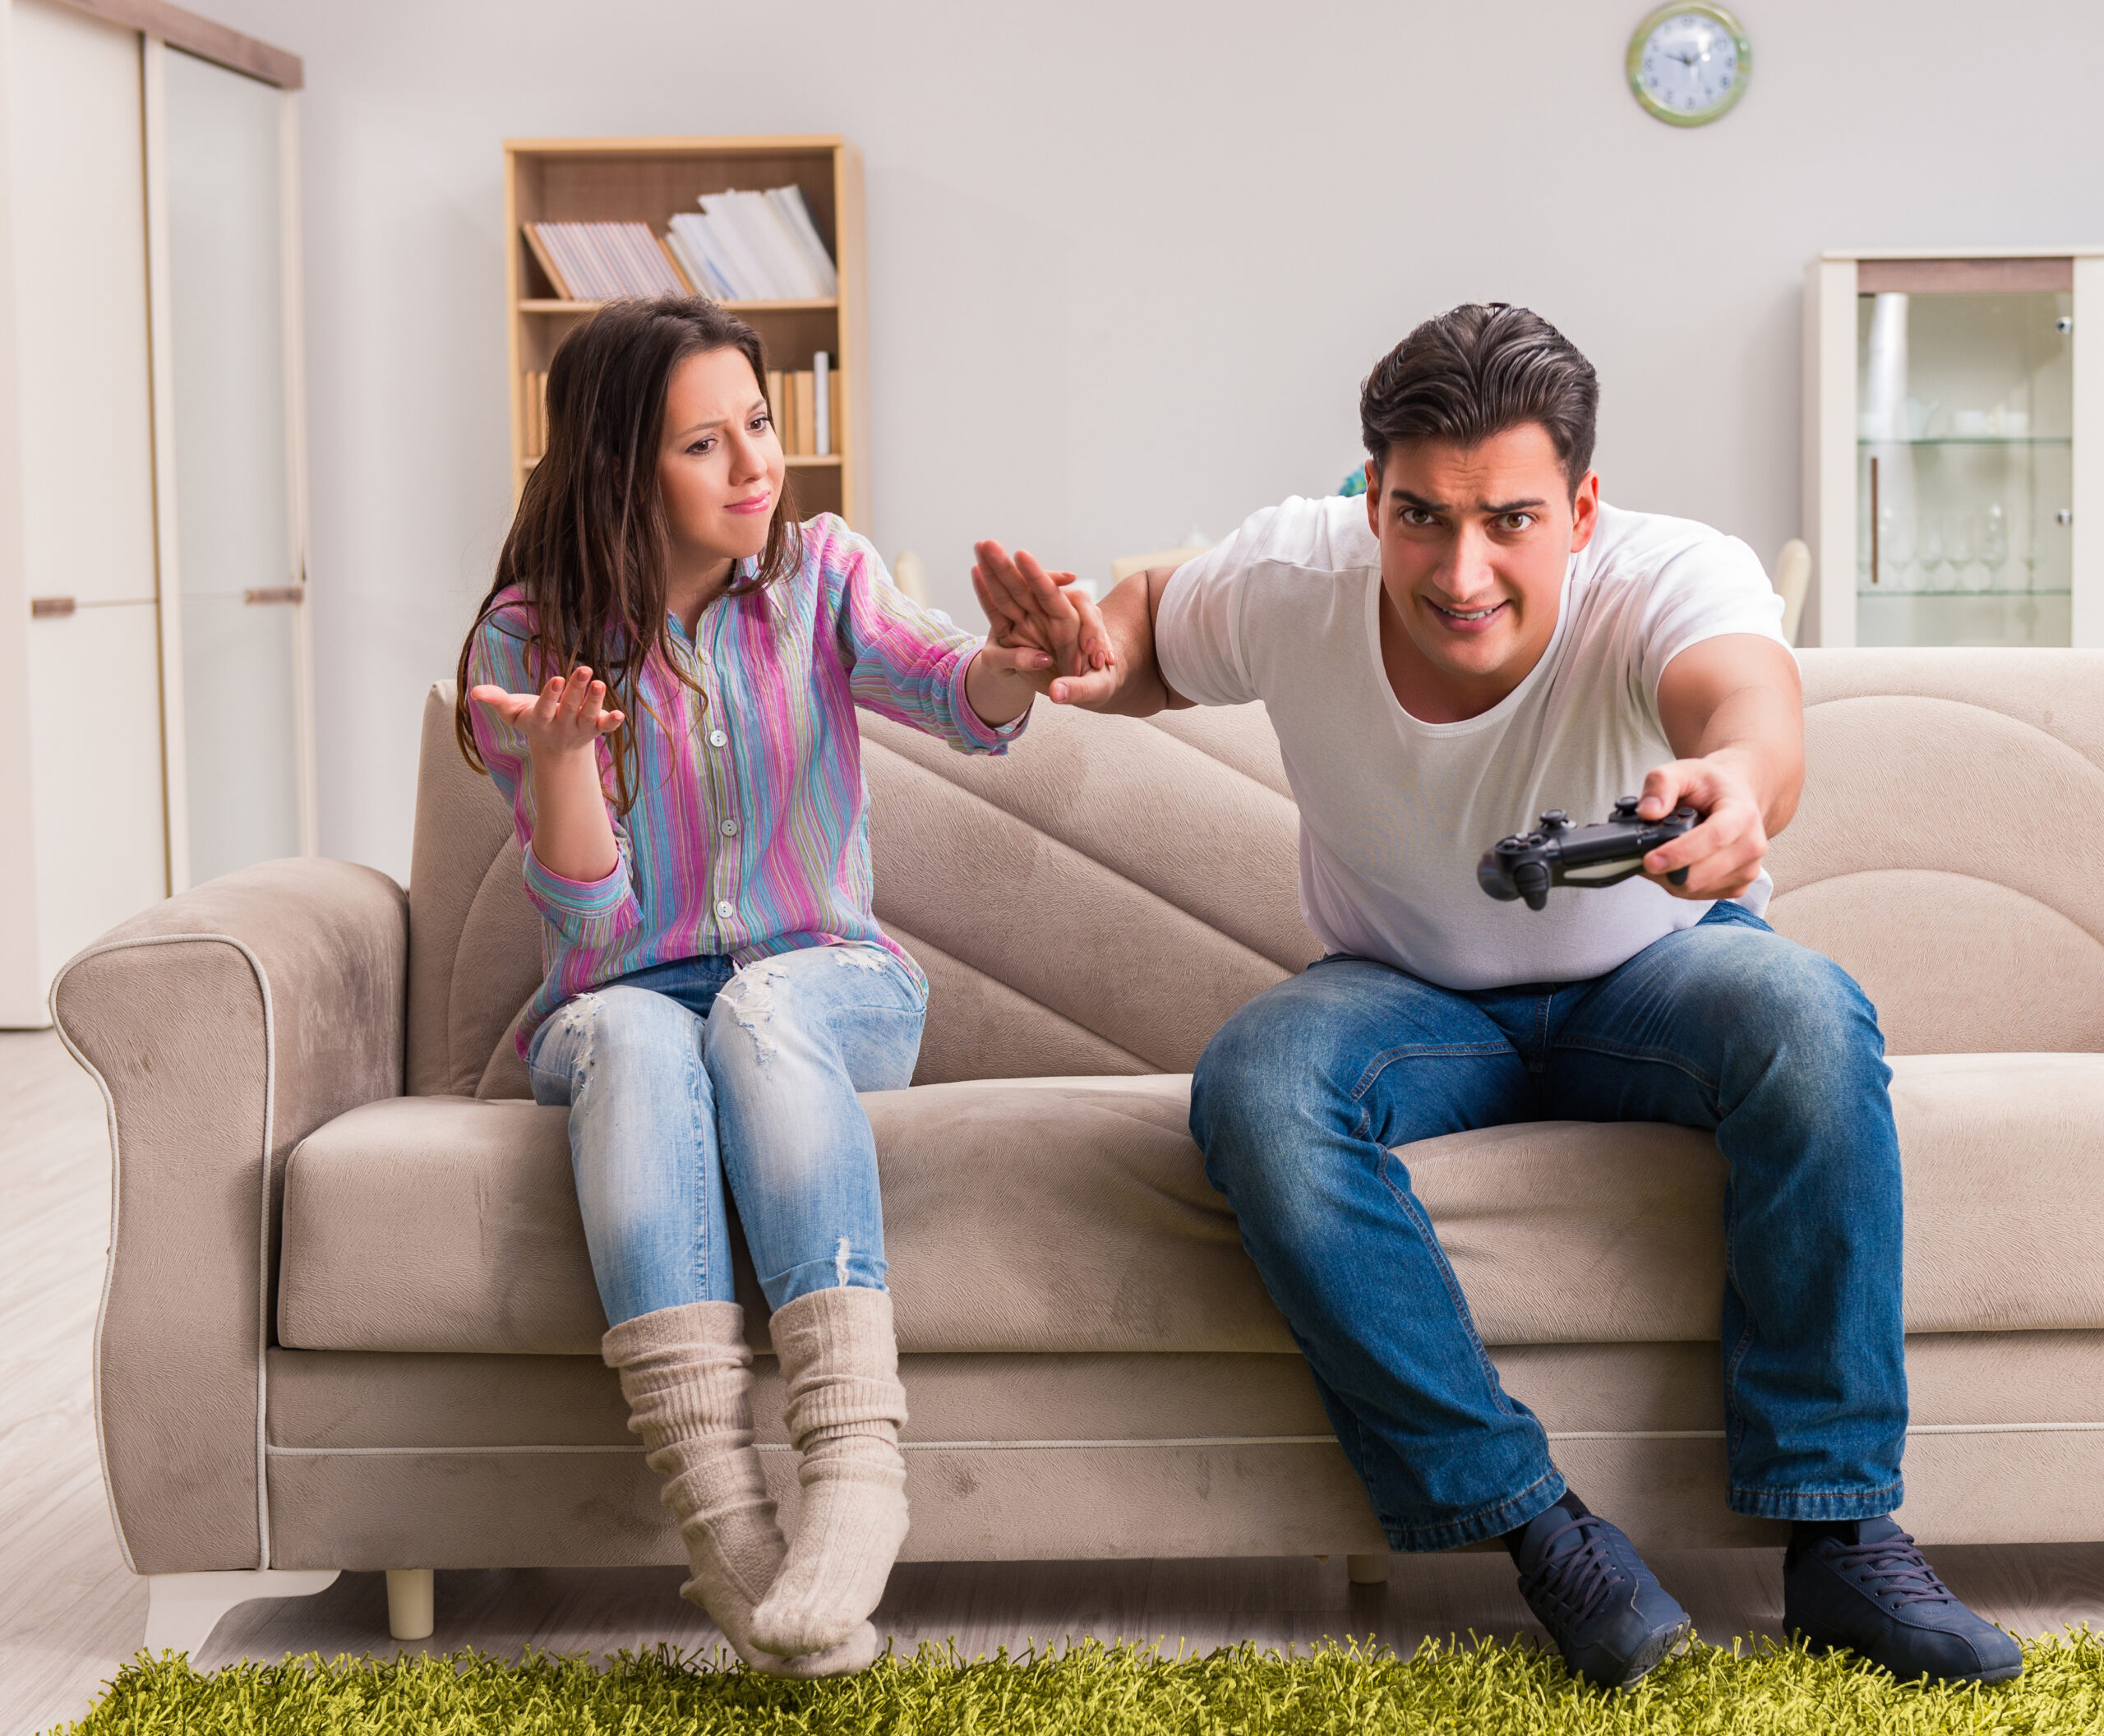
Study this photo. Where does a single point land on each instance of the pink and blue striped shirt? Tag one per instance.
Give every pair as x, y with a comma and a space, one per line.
750, 831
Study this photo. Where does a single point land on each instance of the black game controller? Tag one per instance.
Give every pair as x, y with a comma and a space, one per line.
1560, 854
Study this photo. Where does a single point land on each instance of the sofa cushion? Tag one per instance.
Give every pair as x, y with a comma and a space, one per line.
1074, 1216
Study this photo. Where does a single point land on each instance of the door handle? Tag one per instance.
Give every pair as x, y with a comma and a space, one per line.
276, 593
49, 608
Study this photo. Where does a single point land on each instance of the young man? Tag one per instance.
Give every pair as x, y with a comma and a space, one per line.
1478, 641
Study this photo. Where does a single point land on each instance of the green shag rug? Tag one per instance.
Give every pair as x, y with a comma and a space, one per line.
1491, 1689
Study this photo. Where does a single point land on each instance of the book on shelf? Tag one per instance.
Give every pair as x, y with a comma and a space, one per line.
746, 247
534, 424
805, 411
604, 261
741, 246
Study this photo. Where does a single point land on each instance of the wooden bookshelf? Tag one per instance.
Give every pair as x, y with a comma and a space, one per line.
647, 181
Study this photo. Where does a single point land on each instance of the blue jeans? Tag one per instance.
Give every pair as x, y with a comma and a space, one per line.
690, 1073
1725, 1025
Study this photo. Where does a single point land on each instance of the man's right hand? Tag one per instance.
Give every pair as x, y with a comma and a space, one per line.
1025, 605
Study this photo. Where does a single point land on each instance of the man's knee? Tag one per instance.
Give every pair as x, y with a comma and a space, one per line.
1788, 998
1800, 1035
1265, 1082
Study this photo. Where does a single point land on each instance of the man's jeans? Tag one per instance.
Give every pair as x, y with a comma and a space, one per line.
687, 1073
1727, 1026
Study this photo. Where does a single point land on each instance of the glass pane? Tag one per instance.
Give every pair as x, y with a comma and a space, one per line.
232, 512
1964, 469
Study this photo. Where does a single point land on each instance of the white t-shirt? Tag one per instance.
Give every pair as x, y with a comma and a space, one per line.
1394, 812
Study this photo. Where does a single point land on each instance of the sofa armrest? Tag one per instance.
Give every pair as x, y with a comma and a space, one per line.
224, 1026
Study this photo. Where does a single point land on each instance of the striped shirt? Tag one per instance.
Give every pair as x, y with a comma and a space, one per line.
750, 831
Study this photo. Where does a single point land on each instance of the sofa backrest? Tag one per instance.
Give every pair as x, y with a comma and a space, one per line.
1949, 851
1101, 899
1160, 856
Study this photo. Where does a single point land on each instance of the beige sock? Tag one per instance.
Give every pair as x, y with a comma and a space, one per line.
687, 1376
840, 1366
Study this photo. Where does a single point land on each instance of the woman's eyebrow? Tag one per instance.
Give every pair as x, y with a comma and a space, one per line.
702, 427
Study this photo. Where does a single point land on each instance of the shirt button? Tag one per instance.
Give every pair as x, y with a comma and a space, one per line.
725, 909
717, 738
730, 829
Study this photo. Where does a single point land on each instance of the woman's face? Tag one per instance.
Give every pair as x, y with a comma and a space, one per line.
719, 464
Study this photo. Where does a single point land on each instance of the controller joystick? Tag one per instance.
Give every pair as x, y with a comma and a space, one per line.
1526, 865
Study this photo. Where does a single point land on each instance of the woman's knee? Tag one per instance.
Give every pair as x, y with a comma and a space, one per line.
615, 1031
845, 1015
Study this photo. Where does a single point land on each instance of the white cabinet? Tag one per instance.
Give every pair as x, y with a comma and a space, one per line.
153, 660
1955, 448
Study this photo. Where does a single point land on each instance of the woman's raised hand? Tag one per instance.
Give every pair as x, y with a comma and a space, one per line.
1025, 605
568, 714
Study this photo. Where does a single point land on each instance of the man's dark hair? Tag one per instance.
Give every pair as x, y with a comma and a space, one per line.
1475, 372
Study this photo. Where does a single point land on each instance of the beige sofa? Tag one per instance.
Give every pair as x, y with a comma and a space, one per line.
350, 1322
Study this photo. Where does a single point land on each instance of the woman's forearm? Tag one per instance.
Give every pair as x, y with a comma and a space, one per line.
997, 696
573, 837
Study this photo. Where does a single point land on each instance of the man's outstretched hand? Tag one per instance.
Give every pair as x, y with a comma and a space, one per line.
1722, 855
1026, 606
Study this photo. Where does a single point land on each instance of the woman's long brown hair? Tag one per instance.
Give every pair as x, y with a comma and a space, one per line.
589, 545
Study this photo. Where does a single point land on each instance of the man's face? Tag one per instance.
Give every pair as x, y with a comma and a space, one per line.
1475, 542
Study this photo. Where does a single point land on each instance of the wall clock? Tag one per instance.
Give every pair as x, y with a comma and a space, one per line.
1688, 62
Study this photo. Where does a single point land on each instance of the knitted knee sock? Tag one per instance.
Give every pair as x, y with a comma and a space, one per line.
840, 1366
687, 1376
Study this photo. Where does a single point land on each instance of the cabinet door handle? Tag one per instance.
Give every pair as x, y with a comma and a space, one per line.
1874, 515
276, 593
49, 608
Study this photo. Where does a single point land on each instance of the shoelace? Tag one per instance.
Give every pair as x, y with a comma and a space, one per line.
1581, 1579
1893, 1570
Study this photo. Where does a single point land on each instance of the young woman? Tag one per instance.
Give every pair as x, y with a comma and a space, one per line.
662, 682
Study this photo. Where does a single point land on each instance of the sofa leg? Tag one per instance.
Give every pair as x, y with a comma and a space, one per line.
183, 1609
1367, 1570
409, 1614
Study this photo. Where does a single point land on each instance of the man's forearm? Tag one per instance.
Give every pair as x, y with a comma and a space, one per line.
1128, 614
1755, 732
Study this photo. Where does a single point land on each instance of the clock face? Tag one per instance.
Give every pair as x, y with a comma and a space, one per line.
1688, 63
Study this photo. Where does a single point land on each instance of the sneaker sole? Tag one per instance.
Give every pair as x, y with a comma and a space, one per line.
1649, 1655
1986, 1677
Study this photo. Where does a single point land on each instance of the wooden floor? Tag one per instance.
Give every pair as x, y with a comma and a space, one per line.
70, 1615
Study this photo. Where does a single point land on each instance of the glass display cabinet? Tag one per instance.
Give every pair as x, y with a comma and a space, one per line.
1955, 448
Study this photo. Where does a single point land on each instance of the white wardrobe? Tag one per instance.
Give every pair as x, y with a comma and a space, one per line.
155, 718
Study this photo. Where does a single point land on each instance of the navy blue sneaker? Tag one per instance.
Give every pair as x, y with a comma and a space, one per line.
1876, 1597
1609, 1616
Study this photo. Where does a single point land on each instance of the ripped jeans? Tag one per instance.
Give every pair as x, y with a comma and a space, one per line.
690, 1073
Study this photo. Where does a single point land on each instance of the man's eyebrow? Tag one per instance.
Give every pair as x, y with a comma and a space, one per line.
1495, 509
1418, 500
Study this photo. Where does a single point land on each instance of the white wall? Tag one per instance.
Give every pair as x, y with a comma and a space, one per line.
1129, 259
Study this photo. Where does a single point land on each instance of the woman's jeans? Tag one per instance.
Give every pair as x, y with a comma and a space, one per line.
1725, 1025
689, 1074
